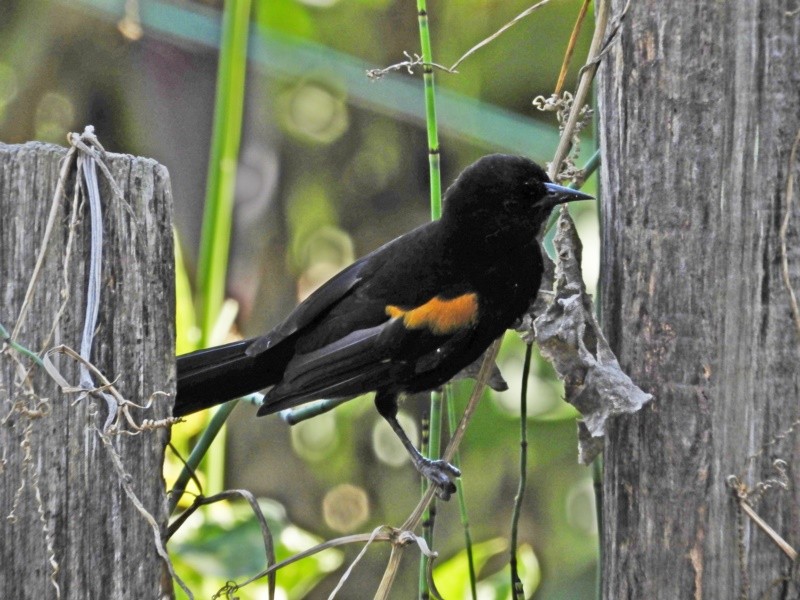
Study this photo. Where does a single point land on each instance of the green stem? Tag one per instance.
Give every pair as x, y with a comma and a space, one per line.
517, 591
5, 337
430, 110
220, 186
434, 450
429, 515
436, 212
198, 452
310, 410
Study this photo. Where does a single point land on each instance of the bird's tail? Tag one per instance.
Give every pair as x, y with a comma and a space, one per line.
213, 376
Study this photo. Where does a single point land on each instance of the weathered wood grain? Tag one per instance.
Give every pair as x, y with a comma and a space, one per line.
699, 109
56, 474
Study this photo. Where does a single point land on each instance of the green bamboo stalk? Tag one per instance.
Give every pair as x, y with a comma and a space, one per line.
517, 591
221, 178
434, 449
430, 515
430, 110
220, 185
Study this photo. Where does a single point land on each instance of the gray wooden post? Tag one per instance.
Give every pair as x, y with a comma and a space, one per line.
68, 524
699, 109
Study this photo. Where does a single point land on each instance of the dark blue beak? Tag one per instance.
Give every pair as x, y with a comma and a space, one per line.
559, 194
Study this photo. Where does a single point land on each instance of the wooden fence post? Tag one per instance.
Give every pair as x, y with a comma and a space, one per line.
69, 527
699, 112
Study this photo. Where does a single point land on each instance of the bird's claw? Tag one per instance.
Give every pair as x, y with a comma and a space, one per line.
441, 474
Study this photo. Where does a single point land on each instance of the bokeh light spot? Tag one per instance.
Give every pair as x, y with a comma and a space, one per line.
313, 113
55, 116
388, 448
580, 507
543, 395
325, 252
315, 438
345, 508
589, 230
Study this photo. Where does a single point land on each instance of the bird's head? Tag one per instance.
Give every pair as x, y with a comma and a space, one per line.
505, 192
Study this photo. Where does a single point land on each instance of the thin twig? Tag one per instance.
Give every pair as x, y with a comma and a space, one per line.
198, 452
358, 538
784, 230
517, 590
411, 61
397, 537
462, 503
266, 534
66, 165
125, 481
611, 38
186, 466
346, 575
389, 574
582, 93
741, 493
497, 33
413, 520
416, 60
573, 40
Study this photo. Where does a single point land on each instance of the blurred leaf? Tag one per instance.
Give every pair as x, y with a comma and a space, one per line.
226, 544
453, 582
498, 585
451, 575
187, 335
286, 16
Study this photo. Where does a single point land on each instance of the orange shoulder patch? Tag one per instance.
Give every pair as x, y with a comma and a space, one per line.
438, 315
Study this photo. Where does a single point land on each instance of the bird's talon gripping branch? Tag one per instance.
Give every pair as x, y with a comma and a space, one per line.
441, 474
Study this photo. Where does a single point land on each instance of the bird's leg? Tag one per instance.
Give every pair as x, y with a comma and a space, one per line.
439, 472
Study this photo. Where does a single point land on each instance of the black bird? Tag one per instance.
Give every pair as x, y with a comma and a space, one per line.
405, 318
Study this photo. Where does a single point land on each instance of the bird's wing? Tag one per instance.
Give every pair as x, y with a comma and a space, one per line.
405, 343
311, 309
313, 312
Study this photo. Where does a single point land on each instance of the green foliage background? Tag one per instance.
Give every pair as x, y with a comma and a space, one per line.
331, 166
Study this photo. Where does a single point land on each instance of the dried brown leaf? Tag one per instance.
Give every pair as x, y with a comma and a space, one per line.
570, 338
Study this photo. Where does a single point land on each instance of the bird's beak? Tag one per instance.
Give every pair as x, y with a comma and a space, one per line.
559, 194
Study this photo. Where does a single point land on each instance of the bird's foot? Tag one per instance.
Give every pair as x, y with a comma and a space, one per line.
441, 474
